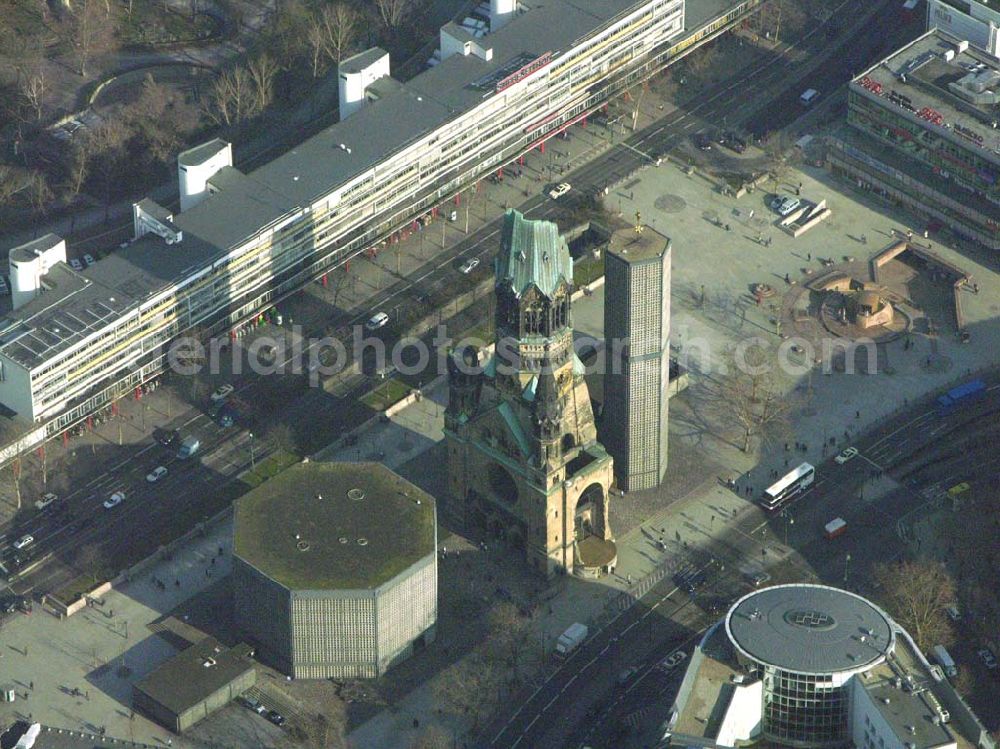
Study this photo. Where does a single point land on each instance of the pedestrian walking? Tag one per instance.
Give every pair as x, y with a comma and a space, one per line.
751, 213
809, 256
31, 686
857, 414
864, 239
788, 280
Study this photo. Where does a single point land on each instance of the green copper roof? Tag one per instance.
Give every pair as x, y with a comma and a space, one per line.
523, 444
532, 253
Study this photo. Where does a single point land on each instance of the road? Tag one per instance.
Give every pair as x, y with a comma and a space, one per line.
58, 537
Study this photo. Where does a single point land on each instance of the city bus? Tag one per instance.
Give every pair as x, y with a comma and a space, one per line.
787, 486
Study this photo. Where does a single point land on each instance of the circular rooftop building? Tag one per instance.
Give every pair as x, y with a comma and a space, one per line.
335, 569
806, 642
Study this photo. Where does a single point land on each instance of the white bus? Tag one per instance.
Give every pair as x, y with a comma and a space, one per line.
787, 486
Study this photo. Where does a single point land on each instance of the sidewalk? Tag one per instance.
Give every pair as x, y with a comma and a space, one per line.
105, 649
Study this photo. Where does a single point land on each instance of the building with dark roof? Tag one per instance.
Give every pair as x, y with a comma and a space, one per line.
523, 454
813, 666
194, 683
244, 241
335, 569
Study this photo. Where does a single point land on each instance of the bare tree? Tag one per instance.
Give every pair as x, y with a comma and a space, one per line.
262, 70
393, 11
15, 479
106, 145
77, 167
12, 181
89, 560
33, 86
509, 637
915, 595
470, 688
232, 99
282, 436
751, 395
89, 30
39, 192
331, 34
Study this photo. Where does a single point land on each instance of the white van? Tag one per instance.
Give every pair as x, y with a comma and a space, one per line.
808, 97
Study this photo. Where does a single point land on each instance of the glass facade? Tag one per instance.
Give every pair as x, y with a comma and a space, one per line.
807, 709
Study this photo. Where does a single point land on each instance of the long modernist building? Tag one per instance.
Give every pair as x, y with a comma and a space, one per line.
925, 134
242, 241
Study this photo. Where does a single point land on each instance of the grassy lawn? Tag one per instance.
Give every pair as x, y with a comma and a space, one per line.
386, 394
77, 587
588, 269
269, 468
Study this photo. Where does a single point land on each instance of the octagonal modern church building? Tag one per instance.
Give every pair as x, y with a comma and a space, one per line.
335, 570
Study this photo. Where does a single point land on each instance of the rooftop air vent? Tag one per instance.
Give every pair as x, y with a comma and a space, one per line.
356, 494
302, 546
885, 700
362, 542
208, 662
342, 539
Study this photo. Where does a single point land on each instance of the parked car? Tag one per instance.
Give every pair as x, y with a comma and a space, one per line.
88, 259
156, 474
378, 320
275, 717
733, 142
625, 674
559, 190
757, 579
47, 499
248, 702
846, 455
167, 437
988, 658
953, 613
469, 265
24, 542
114, 500
785, 204
673, 660
703, 141
223, 392
75, 264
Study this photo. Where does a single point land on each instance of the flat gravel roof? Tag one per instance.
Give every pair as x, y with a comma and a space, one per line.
811, 629
334, 526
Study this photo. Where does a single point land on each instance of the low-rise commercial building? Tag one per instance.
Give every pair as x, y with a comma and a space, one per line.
194, 683
925, 135
335, 570
812, 666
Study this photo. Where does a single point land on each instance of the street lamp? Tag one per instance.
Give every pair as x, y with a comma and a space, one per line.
253, 464
847, 562
789, 520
